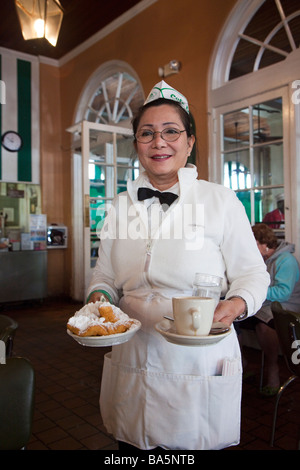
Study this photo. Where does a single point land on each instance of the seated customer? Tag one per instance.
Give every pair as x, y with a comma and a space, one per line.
275, 219
284, 288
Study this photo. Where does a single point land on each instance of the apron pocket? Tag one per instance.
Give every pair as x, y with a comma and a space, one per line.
150, 409
121, 402
195, 413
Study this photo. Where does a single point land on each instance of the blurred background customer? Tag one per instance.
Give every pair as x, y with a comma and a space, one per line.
275, 218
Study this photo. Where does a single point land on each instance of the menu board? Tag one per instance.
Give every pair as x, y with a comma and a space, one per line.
38, 231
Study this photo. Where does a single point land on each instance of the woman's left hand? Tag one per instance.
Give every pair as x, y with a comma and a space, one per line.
228, 310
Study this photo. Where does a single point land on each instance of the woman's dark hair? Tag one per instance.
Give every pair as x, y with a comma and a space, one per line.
185, 117
265, 235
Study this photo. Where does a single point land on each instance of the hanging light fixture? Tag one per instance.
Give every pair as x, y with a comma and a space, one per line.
40, 19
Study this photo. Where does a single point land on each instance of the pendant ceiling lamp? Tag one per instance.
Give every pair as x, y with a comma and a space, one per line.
40, 19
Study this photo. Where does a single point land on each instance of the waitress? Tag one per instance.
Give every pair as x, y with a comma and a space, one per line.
154, 393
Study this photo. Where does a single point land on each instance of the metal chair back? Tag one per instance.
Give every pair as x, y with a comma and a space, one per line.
17, 389
287, 325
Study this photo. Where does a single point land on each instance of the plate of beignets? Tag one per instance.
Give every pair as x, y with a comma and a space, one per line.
101, 324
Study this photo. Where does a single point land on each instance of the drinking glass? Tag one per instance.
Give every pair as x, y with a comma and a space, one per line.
207, 285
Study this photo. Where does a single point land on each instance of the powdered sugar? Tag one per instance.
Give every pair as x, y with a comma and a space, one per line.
89, 316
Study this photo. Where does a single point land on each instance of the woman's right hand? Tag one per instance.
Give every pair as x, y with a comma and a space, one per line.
96, 297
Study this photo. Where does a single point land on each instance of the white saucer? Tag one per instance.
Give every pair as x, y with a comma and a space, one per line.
109, 340
167, 329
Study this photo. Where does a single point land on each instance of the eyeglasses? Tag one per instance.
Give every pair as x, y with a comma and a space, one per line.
169, 135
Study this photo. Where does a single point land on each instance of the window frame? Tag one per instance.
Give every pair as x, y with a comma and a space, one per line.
242, 104
224, 96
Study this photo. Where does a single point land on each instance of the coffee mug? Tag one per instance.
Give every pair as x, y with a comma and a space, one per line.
193, 316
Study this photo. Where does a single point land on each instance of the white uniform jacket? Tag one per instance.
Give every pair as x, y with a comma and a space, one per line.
155, 393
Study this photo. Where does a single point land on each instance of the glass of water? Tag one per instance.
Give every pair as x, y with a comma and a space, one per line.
207, 285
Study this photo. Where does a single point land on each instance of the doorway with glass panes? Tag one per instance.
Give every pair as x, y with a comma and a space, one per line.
103, 160
254, 69
253, 143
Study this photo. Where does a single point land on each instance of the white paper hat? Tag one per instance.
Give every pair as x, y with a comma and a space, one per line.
163, 90
279, 197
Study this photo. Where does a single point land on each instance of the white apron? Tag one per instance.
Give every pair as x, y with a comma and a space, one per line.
154, 393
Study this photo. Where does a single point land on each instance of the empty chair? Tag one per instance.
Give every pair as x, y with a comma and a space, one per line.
17, 386
287, 325
8, 328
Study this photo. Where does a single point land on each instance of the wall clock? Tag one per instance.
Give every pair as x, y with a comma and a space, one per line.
12, 141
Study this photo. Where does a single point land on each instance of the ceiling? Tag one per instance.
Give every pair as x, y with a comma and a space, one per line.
82, 19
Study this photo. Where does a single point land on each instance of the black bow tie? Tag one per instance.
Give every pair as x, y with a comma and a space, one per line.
164, 198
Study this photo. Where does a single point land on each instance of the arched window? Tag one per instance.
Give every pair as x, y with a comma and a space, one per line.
115, 100
112, 95
269, 37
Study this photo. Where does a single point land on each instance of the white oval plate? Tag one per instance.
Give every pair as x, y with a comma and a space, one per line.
167, 330
108, 340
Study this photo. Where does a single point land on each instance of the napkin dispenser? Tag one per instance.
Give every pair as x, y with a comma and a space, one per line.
57, 236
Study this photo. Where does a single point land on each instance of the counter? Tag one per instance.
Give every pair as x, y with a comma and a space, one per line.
23, 275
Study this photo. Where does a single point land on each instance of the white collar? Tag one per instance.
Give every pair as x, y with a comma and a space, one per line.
186, 176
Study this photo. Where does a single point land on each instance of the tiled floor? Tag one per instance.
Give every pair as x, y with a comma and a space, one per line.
68, 379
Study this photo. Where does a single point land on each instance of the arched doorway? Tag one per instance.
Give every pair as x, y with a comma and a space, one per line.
103, 159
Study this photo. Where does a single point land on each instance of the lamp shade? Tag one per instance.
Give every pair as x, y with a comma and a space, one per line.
40, 19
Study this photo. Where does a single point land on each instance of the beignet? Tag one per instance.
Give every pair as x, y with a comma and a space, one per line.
99, 319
